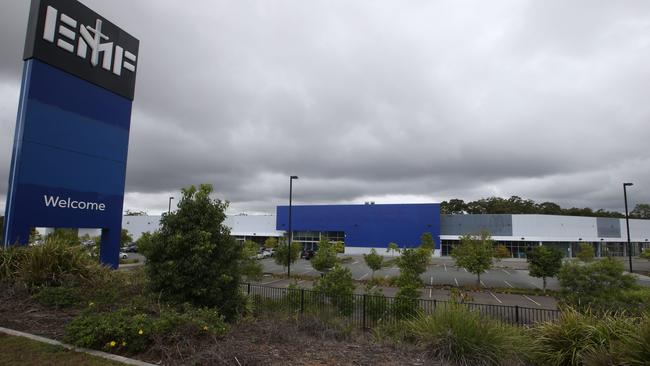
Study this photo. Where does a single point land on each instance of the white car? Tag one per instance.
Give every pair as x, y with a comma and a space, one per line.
123, 255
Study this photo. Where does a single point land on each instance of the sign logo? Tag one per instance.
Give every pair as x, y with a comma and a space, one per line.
70, 30
75, 39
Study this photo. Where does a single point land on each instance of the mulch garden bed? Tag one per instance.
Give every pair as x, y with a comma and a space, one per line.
267, 341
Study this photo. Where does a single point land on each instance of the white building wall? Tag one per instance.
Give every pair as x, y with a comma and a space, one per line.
552, 227
240, 225
136, 225
639, 230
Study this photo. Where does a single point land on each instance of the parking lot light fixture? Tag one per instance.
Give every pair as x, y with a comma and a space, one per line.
290, 230
627, 224
169, 210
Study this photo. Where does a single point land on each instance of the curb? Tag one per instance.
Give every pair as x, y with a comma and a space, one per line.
108, 356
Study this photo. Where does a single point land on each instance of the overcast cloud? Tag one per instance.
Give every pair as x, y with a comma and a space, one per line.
391, 101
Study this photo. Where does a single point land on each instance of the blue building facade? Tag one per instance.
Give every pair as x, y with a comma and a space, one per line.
366, 226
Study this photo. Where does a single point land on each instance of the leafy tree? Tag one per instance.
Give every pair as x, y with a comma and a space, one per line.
501, 251
2, 228
338, 285
325, 257
412, 263
281, 252
544, 262
474, 253
641, 211
427, 242
600, 285
125, 237
585, 252
392, 247
339, 246
518, 205
270, 242
373, 261
549, 208
251, 268
193, 258
453, 207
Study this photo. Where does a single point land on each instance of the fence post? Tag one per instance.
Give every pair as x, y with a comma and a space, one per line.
302, 300
434, 304
517, 314
249, 288
364, 311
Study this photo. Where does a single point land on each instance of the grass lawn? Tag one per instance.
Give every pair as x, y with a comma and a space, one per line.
22, 351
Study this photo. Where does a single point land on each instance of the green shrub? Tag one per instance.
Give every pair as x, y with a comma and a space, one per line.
193, 258
376, 304
129, 331
250, 267
462, 337
112, 331
405, 303
53, 262
598, 286
325, 257
585, 252
578, 338
58, 297
338, 286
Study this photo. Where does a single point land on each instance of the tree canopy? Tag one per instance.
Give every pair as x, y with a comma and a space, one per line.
193, 257
474, 253
544, 262
518, 205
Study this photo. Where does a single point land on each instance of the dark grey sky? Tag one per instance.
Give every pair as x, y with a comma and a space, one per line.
391, 101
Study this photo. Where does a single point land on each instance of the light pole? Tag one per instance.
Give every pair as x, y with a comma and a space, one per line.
627, 224
169, 210
290, 230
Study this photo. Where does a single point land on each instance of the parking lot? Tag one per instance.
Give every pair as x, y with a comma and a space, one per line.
439, 273
506, 274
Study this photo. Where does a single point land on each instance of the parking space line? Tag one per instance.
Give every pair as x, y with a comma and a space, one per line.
483, 284
455, 280
508, 283
364, 276
386, 276
465, 270
495, 297
507, 272
535, 302
355, 262
445, 267
430, 292
431, 280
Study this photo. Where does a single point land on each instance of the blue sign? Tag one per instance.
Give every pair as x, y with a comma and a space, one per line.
71, 141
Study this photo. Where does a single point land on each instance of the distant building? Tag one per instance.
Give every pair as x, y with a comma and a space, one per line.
363, 227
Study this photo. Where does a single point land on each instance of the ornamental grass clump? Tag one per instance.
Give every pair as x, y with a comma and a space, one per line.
53, 263
580, 338
460, 336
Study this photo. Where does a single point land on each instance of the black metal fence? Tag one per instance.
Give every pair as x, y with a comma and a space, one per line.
366, 311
